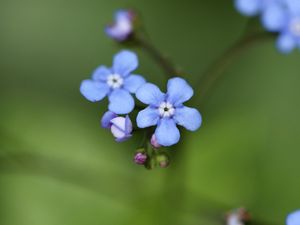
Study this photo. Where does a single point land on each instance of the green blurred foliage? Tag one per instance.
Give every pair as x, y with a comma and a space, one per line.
246, 153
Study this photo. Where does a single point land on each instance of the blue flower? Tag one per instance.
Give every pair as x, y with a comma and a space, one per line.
254, 7
123, 25
167, 110
117, 83
289, 27
281, 16
293, 218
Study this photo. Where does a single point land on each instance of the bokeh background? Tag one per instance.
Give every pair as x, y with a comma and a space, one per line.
58, 167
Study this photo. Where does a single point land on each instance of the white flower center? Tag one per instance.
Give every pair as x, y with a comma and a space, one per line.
166, 109
114, 81
295, 27
124, 26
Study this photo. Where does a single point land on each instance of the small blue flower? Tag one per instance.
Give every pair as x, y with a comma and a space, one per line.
254, 7
123, 25
117, 83
293, 218
167, 110
289, 27
121, 128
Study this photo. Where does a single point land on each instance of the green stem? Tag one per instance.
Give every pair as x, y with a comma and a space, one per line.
218, 67
167, 66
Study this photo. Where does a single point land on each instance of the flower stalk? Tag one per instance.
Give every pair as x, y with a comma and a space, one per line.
166, 65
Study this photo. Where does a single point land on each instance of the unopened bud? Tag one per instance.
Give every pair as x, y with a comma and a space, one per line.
106, 118
140, 158
162, 160
123, 26
154, 142
238, 217
121, 128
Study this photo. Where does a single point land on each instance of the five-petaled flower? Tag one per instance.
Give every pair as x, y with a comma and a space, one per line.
167, 110
122, 27
293, 218
116, 82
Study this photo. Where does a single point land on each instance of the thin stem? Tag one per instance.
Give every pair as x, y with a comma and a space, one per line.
218, 67
167, 66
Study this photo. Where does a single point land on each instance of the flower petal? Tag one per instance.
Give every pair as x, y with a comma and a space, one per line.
93, 91
274, 17
128, 125
101, 73
106, 119
125, 62
118, 127
294, 6
133, 82
167, 133
179, 91
286, 43
293, 218
187, 117
147, 117
122, 14
120, 102
150, 94
248, 7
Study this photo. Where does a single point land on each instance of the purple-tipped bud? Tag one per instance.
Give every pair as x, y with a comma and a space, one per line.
140, 158
238, 217
121, 128
122, 27
106, 118
154, 142
162, 160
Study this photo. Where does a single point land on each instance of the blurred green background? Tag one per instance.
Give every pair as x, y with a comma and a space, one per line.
58, 167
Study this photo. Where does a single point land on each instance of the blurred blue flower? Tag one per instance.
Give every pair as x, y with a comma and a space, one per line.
167, 110
121, 128
255, 7
280, 16
293, 218
289, 27
122, 27
117, 83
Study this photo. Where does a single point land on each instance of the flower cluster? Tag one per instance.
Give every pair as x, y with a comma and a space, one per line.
280, 16
164, 110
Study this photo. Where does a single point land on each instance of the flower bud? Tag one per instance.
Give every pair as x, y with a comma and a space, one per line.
106, 118
140, 158
121, 128
123, 25
162, 160
238, 217
154, 142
